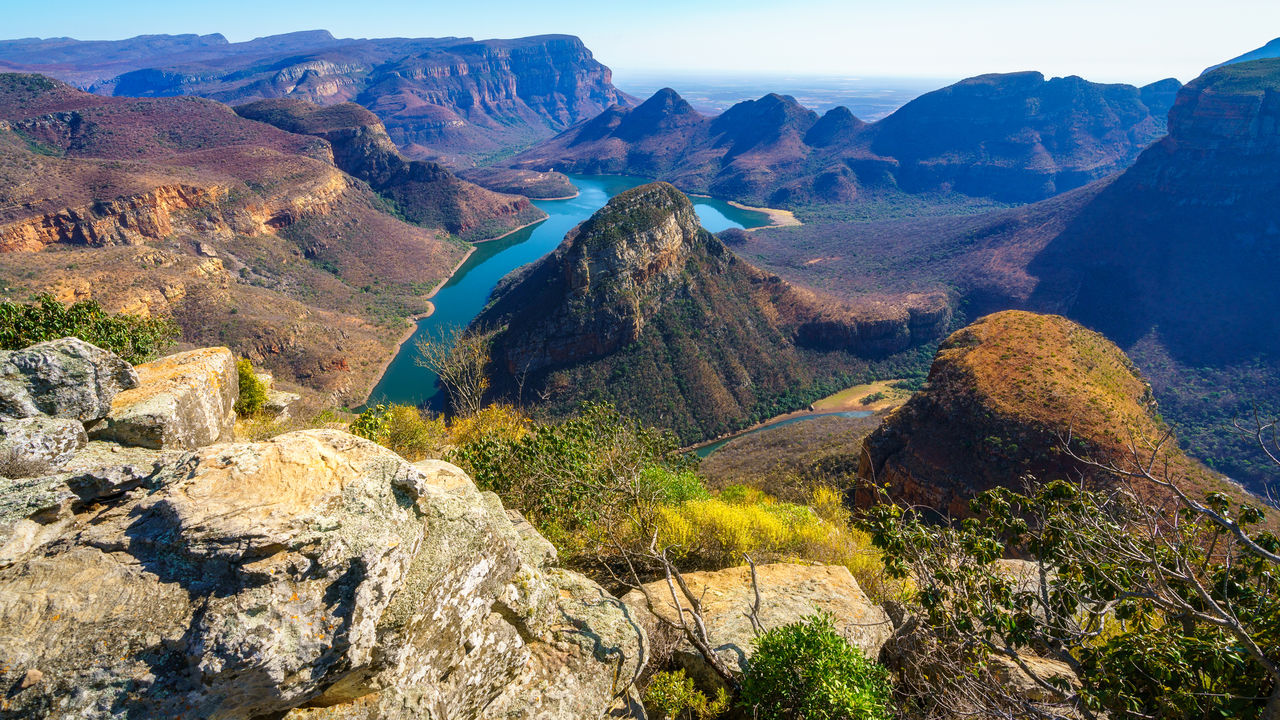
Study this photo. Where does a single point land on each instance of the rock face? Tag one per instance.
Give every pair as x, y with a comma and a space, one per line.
639, 302
38, 445
1001, 397
183, 401
1015, 137
66, 378
788, 594
315, 575
451, 95
424, 192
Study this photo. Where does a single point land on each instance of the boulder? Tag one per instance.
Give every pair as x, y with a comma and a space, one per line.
38, 445
65, 378
788, 594
315, 575
183, 401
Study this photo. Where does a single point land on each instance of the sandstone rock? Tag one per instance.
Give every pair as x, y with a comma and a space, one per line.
316, 575
38, 445
788, 593
65, 378
278, 403
185, 400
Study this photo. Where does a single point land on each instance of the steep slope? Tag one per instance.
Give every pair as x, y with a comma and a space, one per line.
423, 192
642, 307
1015, 137
436, 96
1002, 397
248, 235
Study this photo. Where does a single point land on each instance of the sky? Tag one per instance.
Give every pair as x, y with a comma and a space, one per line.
1136, 41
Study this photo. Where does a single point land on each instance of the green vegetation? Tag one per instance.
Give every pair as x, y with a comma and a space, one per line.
1161, 612
672, 696
253, 392
135, 339
403, 428
807, 671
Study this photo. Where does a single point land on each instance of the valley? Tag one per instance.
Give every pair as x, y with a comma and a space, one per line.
442, 378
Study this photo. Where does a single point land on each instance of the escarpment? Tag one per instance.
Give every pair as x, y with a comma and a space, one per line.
424, 192
641, 306
454, 98
313, 575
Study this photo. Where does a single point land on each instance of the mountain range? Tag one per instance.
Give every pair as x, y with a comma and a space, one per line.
1014, 137
451, 98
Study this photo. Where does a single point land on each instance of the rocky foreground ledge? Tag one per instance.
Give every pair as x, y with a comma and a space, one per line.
152, 567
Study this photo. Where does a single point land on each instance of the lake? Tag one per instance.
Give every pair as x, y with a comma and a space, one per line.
465, 294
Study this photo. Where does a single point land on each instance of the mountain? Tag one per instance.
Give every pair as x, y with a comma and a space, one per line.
1021, 137
446, 97
1173, 260
1270, 50
423, 192
1015, 137
1002, 398
642, 307
249, 236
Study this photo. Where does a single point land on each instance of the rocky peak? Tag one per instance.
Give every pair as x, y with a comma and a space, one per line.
664, 111
770, 118
596, 292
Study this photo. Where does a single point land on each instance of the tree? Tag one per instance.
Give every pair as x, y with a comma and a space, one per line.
134, 338
1159, 609
459, 358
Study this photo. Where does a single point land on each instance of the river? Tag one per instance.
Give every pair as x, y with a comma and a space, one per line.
465, 294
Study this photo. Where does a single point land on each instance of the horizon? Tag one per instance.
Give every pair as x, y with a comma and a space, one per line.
1137, 43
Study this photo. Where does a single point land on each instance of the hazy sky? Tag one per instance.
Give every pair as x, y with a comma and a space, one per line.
1106, 40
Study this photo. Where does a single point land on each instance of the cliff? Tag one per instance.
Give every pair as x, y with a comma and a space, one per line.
642, 307
246, 234
446, 97
1002, 398
1015, 137
425, 193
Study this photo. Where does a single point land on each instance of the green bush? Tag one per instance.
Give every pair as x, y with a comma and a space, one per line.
807, 671
404, 429
253, 392
672, 696
135, 339
567, 476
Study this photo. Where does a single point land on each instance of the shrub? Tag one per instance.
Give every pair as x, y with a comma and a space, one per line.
569, 475
715, 532
253, 392
404, 429
806, 670
672, 696
135, 339
499, 422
